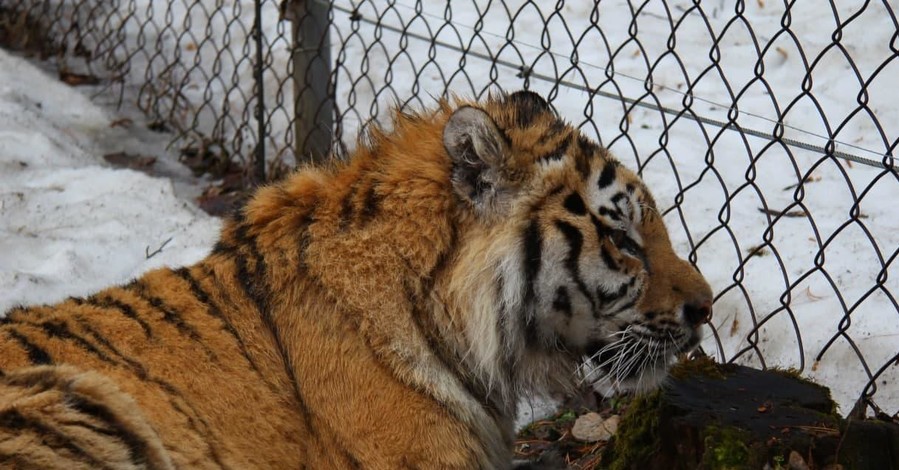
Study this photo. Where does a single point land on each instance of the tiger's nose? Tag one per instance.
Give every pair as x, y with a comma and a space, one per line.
698, 313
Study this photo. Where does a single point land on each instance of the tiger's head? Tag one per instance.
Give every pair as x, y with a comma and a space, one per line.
567, 272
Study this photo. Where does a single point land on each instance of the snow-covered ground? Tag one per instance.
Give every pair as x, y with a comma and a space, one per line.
71, 224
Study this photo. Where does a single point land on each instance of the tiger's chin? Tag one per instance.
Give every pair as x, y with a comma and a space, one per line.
629, 363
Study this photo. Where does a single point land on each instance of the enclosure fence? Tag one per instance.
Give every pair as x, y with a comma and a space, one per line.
766, 130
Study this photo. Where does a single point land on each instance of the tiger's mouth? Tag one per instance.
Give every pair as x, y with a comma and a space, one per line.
635, 359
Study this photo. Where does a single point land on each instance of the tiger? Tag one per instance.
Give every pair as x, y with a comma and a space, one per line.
388, 310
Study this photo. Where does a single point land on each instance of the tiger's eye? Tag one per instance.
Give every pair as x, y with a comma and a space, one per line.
618, 237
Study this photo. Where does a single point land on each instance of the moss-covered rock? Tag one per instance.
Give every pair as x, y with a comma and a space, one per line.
715, 416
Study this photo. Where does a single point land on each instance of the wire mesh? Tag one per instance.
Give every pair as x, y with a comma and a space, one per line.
766, 129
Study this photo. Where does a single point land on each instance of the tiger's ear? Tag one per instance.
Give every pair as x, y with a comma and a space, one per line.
478, 151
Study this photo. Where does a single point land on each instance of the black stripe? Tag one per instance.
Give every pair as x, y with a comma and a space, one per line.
213, 310
582, 165
554, 129
527, 106
531, 334
255, 284
442, 260
616, 198
7, 317
607, 297
107, 302
94, 428
586, 146
37, 381
533, 255
257, 293
608, 258
607, 177
657, 330
52, 438
137, 446
602, 230
354, 463
268, 321
220, 248
562, 302
575, 244
370, 205
174, 395
346, 207
556, 190
552, 156
36, 355
558, 152
574, 203
610, 213
304, 239
60, 330
505, 324
137, 368
621, 292
255, 290
623, 308
168, 315
428, 328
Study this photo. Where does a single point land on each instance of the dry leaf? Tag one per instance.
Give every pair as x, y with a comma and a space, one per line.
77, 79
134, 162
734, 327
811, 295
121, 122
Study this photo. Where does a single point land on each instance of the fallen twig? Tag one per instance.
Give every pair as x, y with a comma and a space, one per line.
158, 250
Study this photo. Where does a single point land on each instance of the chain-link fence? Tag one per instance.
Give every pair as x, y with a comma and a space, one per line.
766, 129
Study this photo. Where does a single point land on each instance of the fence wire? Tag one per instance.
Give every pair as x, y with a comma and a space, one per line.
767, 130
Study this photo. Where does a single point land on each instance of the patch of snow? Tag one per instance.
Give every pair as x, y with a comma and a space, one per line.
70, 224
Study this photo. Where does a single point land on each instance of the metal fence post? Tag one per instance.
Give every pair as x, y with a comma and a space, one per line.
259, 161
311, 57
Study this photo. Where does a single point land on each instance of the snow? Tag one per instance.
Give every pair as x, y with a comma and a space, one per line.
70, 224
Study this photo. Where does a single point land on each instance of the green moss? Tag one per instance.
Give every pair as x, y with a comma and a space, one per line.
795, 374
566, 416
725, 449
790, 372
637, 436
700, 367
